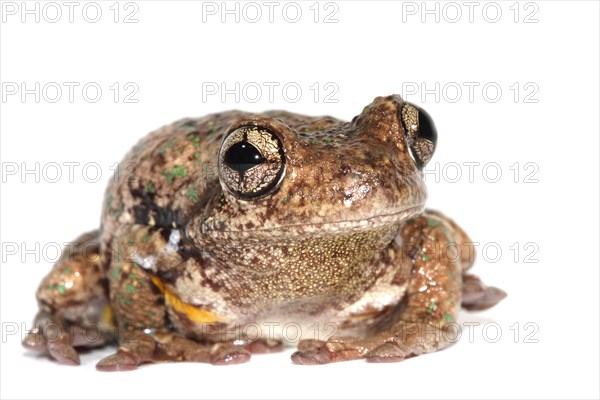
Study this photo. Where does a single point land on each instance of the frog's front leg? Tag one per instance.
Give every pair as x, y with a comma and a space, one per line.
425, 318
142, 305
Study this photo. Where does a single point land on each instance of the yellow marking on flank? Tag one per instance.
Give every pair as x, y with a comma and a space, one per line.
194, 313
107, 316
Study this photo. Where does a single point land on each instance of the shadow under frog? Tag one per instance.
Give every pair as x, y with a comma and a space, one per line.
266, 220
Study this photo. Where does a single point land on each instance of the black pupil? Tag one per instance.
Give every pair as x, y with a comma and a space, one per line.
242, 156
426, 127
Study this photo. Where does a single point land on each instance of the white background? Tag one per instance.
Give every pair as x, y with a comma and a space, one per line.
374, 49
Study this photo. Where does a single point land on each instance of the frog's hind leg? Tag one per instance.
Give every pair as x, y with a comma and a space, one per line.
475, 294
73, 304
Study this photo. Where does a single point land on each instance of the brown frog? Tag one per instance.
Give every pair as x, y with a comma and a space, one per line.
230, 234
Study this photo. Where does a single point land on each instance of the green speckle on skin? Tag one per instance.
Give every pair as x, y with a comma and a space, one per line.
195, 138
192, 193
130, 241
166, 146
314, 142
433, 222
61, 288
124, 300
145, 238
133, 277
357, 176
197, 157
130, 288
117, 213
109, 200
175, 172
149, 188
306, 129
448, 317
328, 140
425, 257
67, 271
432, 307
285, 200
116, 273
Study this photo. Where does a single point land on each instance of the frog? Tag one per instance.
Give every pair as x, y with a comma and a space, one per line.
239, 233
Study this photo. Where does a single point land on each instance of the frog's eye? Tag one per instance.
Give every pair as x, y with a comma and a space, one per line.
420, 133
251, 162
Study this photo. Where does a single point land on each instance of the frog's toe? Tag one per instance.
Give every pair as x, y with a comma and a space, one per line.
264, 346
477, 296
490, 298
311, 357
35, 341
312, 352
231, 356
119, 361
64, 353
311, 345
386, 353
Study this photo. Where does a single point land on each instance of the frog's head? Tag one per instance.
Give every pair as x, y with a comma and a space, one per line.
291, 175
294, 187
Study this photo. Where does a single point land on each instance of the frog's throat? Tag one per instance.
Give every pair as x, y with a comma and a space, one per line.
195, 314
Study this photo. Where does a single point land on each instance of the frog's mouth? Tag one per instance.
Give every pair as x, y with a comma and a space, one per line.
308, 228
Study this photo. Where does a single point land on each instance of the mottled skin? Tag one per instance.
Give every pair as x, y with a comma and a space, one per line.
182, 267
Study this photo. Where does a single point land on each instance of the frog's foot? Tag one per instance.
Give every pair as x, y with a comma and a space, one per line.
403, 340
143, 348
263, 346
56, 338
477, 296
